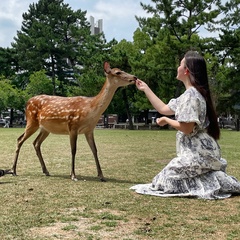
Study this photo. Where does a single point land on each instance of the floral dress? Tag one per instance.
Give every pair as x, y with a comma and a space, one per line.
198, 169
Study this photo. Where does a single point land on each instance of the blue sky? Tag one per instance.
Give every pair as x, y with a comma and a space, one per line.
118, 16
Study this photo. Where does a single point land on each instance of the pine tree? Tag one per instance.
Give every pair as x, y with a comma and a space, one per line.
50, 39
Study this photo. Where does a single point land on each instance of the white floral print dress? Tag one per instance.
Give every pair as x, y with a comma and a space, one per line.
198, 170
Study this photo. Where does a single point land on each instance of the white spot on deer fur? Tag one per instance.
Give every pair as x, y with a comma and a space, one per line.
75, 118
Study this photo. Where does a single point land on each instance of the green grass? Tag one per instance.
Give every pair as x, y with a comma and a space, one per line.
34, 206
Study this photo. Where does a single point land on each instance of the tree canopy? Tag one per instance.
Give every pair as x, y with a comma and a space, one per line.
172, 29
52, 37
54, 53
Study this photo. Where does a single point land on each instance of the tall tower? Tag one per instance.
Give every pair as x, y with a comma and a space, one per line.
97, 27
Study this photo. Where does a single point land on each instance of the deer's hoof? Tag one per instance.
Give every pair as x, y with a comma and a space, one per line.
11, 171
102, 179
74, 178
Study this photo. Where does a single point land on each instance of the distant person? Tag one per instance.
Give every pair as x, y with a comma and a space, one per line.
6, 124
198, 169
221, 122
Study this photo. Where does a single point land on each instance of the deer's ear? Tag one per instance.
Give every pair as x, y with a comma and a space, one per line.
107, 68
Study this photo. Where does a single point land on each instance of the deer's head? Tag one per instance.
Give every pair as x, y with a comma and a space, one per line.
118, 77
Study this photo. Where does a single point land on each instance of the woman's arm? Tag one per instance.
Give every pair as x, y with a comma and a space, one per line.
184, 127
157, 103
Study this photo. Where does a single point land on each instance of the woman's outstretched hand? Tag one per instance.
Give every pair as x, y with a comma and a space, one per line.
156, 102
141, 85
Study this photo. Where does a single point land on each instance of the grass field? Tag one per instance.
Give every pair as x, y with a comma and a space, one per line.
34, 206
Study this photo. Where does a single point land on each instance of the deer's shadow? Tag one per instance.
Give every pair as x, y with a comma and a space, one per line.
82, 178
2, 183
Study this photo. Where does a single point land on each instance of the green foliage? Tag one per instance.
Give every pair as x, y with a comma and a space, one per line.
122, 56
162, 41
226, 48
180, 18
57, 39
10, 97
90, 75
8, 62
39, 83
51, 38
89, 84
173, 29
230, 10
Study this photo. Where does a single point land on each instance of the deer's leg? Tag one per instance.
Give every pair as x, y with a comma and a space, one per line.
29, 131
73, 143
37, 145
90, 139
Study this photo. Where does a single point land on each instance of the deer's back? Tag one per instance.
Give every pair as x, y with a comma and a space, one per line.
59, 114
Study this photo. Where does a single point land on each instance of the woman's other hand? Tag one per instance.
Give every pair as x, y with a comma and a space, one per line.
162, 121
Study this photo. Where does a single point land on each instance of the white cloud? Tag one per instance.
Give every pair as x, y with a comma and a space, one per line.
10, 19
13, 9
118, 16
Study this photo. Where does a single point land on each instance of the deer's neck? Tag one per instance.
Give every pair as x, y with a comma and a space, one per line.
103, 99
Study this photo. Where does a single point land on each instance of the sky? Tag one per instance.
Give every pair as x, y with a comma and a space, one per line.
118, 16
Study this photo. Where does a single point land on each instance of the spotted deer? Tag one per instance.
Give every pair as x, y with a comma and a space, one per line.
70, 116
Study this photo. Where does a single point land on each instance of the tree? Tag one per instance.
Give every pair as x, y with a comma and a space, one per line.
51, 37
227, 48
164, 37
181, 18
10, 97
39, 83
122, 55
8, 62
90, 75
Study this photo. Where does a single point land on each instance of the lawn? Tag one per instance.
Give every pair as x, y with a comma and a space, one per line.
34, 206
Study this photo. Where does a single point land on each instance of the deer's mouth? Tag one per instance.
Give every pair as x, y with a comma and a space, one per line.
133, 80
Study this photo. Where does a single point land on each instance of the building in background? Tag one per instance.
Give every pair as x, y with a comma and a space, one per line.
96, 27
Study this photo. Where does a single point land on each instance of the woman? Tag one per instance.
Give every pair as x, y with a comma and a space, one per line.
198, 170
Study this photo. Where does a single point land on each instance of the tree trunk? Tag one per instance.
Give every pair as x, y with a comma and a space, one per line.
11, 118
146, 116
53, 75
129, 115
237, 124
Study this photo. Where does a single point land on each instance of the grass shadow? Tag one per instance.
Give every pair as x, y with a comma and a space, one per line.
94, 179
2, 183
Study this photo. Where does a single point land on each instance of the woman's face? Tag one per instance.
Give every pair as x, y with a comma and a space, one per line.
182, 71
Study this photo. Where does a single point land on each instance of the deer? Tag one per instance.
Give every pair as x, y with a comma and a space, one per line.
70, 116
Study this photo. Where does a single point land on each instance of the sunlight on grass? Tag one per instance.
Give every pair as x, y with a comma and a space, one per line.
34, 206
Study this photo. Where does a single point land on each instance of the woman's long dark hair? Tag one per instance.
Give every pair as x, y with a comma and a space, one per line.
199, 79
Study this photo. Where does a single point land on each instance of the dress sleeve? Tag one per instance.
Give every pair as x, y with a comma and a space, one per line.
173, 104
189, 109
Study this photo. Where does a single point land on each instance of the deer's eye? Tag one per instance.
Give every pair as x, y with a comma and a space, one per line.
118, 73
